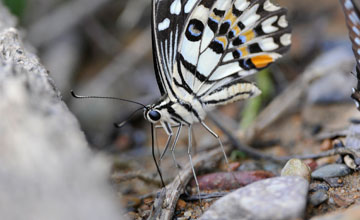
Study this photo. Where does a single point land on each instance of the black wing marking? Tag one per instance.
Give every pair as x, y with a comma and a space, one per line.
352, 17
168, 18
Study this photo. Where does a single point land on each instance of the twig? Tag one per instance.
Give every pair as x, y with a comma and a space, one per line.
177, 187
204, 196
157, 207
332, 134
259, 155
240, 146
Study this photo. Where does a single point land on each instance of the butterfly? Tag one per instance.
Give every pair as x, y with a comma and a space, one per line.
202, 51
352, 17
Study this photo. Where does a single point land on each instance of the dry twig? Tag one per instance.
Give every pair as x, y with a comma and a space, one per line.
177, 187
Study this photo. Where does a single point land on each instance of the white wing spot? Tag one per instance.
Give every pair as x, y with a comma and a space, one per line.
285, 39
268, 44
357, 40
356, 30
241, 5
354, 18
189, 6
283, 22
268, 6
175, 7
164, 24
267, 25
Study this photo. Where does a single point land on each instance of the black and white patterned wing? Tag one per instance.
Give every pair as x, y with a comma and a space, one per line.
227, 40
168, 19
352, 16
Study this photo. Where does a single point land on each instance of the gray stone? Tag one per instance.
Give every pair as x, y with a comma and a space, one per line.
331, 170
318, 197
275, 198
352, 139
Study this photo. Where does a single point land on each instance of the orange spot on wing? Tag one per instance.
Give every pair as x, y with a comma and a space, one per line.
223, 40
262, 61
231, 17
237, 30
249, 35
244, 51
215, 17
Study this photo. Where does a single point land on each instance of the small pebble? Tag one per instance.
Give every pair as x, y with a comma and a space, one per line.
272, 167
326, 145
296, 167
334, 182
341, 201
187, 214
317, 187
250, 166
318, 197
181, 204
331, 170
357, 161
350, 162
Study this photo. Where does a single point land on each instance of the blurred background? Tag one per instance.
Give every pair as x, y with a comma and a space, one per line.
103, 47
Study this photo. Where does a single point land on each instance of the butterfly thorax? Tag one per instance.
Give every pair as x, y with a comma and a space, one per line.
176, 111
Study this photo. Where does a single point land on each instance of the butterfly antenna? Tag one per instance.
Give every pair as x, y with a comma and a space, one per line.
154, 157
121, 124
105, 97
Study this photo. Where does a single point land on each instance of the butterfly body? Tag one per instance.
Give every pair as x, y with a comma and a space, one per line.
203, 50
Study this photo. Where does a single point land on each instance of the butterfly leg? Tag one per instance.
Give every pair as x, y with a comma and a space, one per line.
218, 138
177, 165
174, 144
190, 159
170, 133
154, 157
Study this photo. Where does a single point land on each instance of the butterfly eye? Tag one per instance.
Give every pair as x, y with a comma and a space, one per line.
154, 115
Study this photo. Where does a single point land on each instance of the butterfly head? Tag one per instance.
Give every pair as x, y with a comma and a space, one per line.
152, 114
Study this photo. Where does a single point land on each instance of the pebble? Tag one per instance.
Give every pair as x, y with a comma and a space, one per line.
334, 182
274, 198
296, 167
181, 204
272, 167
352, 139
331, 170
230, 180
250, 166
318, 187
318, 197
187, 214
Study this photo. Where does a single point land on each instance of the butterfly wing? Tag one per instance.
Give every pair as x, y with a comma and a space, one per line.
227, 40
204, 47
352, 16
168, 18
